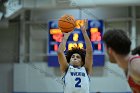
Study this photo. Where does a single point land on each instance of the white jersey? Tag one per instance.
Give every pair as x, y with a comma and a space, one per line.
76, 80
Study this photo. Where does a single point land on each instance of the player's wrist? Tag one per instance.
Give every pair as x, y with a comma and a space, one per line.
65, 38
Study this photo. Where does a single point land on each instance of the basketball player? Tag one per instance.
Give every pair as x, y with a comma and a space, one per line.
136, 51
76, 64
118, 48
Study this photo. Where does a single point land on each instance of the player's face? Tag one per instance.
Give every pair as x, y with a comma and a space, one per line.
76, 60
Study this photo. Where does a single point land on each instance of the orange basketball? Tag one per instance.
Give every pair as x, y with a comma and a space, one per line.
66, 23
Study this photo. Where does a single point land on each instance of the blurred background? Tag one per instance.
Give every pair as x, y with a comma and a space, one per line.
28, 60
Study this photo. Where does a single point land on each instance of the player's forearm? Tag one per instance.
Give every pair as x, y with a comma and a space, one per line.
87, 42
62, 45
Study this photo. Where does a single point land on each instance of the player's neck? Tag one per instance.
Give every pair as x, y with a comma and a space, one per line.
122, 61
76, 66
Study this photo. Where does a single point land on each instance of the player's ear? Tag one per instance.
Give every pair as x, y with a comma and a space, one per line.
106, 47
109, 50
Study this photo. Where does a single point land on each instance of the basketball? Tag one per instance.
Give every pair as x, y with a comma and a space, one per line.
66, 23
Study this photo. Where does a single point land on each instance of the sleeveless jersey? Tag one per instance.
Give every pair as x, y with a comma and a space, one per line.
132, 84
76, 80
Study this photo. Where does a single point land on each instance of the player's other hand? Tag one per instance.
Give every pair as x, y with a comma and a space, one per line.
84, 26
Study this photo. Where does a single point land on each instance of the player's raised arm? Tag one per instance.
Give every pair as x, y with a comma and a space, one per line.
89, 50
61, 56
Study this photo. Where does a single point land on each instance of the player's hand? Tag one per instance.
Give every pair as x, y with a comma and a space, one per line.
84, 26
66, 35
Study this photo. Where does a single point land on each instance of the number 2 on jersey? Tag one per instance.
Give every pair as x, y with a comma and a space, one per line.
78, 82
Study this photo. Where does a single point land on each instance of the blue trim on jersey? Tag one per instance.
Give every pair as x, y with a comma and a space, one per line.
63, 78
89, 78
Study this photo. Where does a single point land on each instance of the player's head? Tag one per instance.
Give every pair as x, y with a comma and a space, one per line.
136, 51
116, 41
76, 56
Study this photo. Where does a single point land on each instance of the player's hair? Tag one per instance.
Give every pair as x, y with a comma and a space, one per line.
117, 40
136, 51
77, 50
